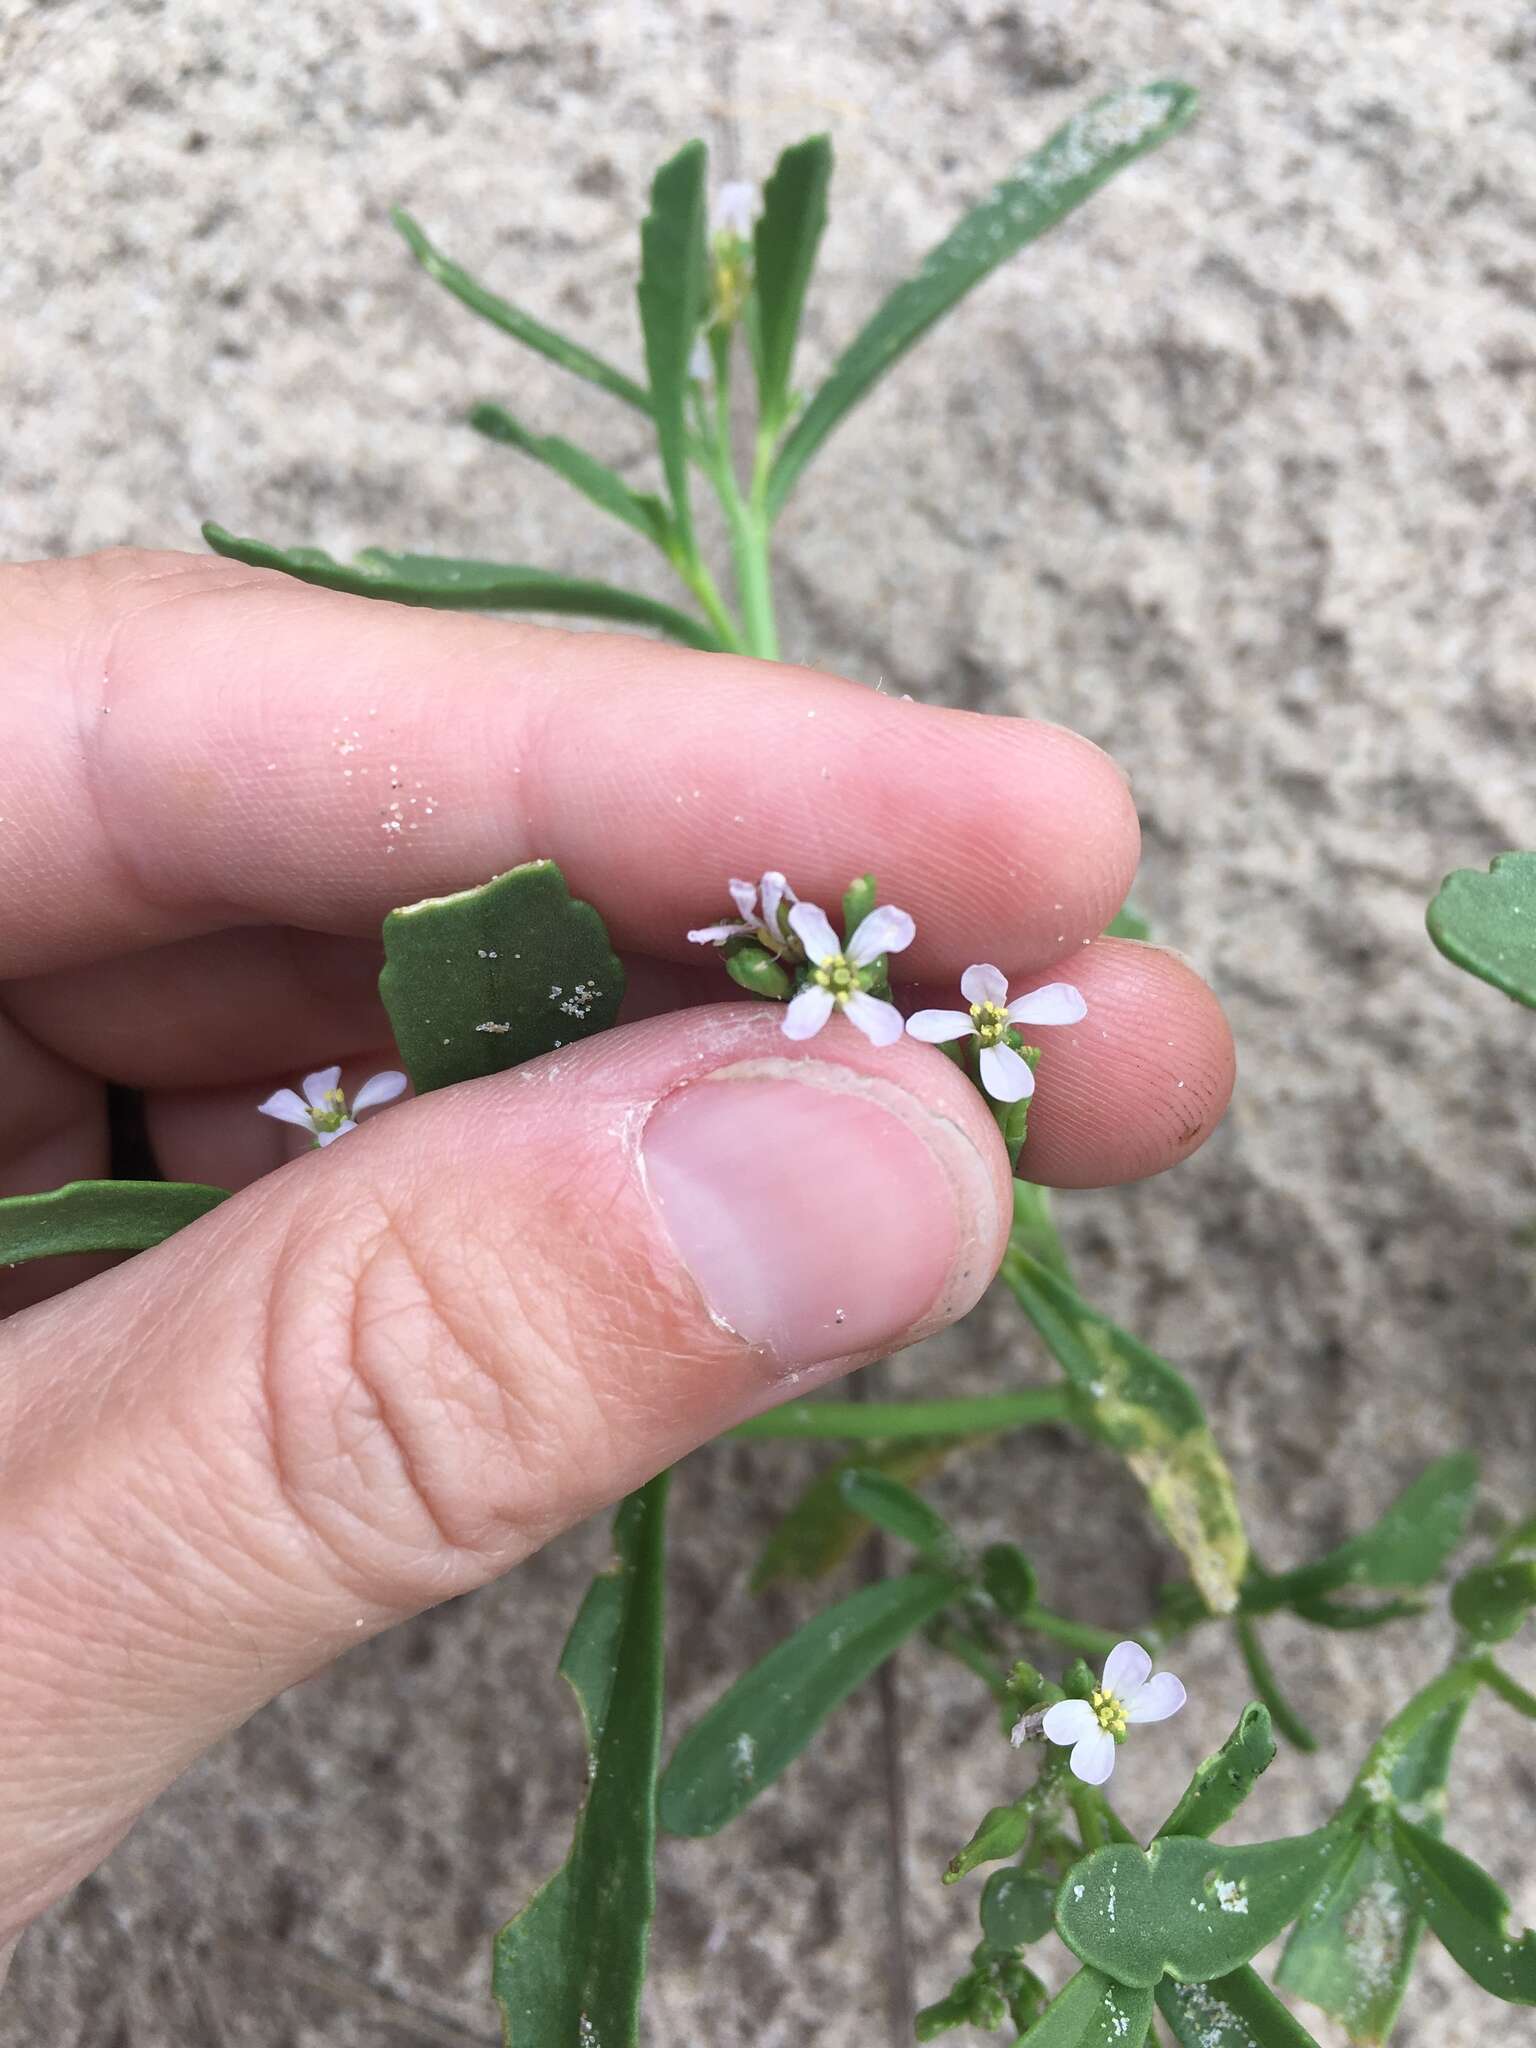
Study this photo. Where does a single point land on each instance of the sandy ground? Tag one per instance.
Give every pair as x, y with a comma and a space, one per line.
1236, 475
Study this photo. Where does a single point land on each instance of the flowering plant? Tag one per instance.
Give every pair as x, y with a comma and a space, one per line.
515, 968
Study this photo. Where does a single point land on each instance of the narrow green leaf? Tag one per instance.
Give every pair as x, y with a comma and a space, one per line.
447, 584
1235, 2011
1408, 1546
1267, 1686
674, 292
99, 1216
900, 1512
1080, 157
1009, 1579
1017, 1907
1469, 1913
964, 1415
769, 1715
603, 486
1127, 924
570, 355
785, 242
1090, 2011
1223, 1781
1492, 1601
1509, 1690
569, 1968
822, 1531
480, 981
1347, 1616
1142, 1407
1486, 923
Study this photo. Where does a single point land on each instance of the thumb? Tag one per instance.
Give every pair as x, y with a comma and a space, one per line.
384, 1374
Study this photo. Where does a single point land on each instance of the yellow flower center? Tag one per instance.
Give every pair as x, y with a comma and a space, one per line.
991, 1021
837, 977
333, 1112
1110, 1712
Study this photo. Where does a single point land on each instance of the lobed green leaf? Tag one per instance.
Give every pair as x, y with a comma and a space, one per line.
599, 484
674, 298
1486, 923
785, 242
100, 1216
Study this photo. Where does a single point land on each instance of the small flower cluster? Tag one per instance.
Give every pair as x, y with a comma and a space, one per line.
1129, 1694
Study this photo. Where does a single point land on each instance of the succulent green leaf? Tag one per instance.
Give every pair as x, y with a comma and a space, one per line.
1192, 1908
1492, 1601
480, 981
1142, 1407
569, 1968
1009, 1578
785, 242
1001, 1831
674, 297
1223, 1781
821, 1531
755, 969
603, 486
1235, 2011
570, 355
1267, 1686
1017, 1907
1078, 158
859, 899
1127, 924
900, 1512
1408, 1546
1468, 1912
1091, 2011
1487, 923
758, 1728
99, 1216
446, 584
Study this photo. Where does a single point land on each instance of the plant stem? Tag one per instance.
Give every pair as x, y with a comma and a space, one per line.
958, 1417
695, 574
1072, 1635
1267, 1686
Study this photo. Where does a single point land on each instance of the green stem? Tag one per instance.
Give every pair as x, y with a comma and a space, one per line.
1267, 1686
1509, 1690
1072, 1635
959, 1417
695, 574
956, 1643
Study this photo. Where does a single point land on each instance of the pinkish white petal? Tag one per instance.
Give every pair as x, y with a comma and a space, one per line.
288, 1107
330, 1137
1126, 1670
744, 896
717, 934
775, 891
984, 984
808, 922
736, 207
1093, 1759
317, 1086
885, 930
1005, 1074
382, 1088
1069, 1721
1058, 1003
938, 1027
881, 1023
1162, 1695
807, 1013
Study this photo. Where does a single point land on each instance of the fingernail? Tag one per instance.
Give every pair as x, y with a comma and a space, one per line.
820, 1214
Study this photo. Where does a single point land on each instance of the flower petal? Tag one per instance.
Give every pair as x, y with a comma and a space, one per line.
288, 1107
808, 922
717, 934
775, 891
984, 984
318, 1085
1020, 1732
1069, 1721
938, 1027
1093, 1759
1057, 1003
1162, 1695
1005, 1074
1126, 1669
736, 207
881, 1023
744, 896
807, 1013
330, 1137
885, 930
382, 1088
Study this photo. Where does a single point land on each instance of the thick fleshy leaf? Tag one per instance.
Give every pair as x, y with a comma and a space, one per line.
1058, 177
1223, 1781
1127, 924
1235, 2011
447, 584
480, 981
1091, 2011
1142, 1407
569, 1969
1492, 1601
822, 1530
570, 355
785, 242
674, 295
1017, 1907
1468, 1912
769, 1715
100, 1216
1487, 923
602, 486
1408, 1546
1194, 1908
1001, 1831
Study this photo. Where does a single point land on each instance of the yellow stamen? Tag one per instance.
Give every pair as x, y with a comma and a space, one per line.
991, 1021
1110, 1712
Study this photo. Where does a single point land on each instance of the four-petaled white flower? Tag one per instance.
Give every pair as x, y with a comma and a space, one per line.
1128, 1693
1005, 1072
762, 925
322, 1109
737, 205
839, 979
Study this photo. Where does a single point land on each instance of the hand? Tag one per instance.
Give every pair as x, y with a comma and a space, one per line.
386, 1373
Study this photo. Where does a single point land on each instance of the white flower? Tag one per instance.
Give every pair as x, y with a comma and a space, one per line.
839, 979
764, 926
322, 1108
701, 365
737, 205
1128, 1693
1005, 1073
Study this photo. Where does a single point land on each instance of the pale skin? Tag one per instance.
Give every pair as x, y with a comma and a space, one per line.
387, 1372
